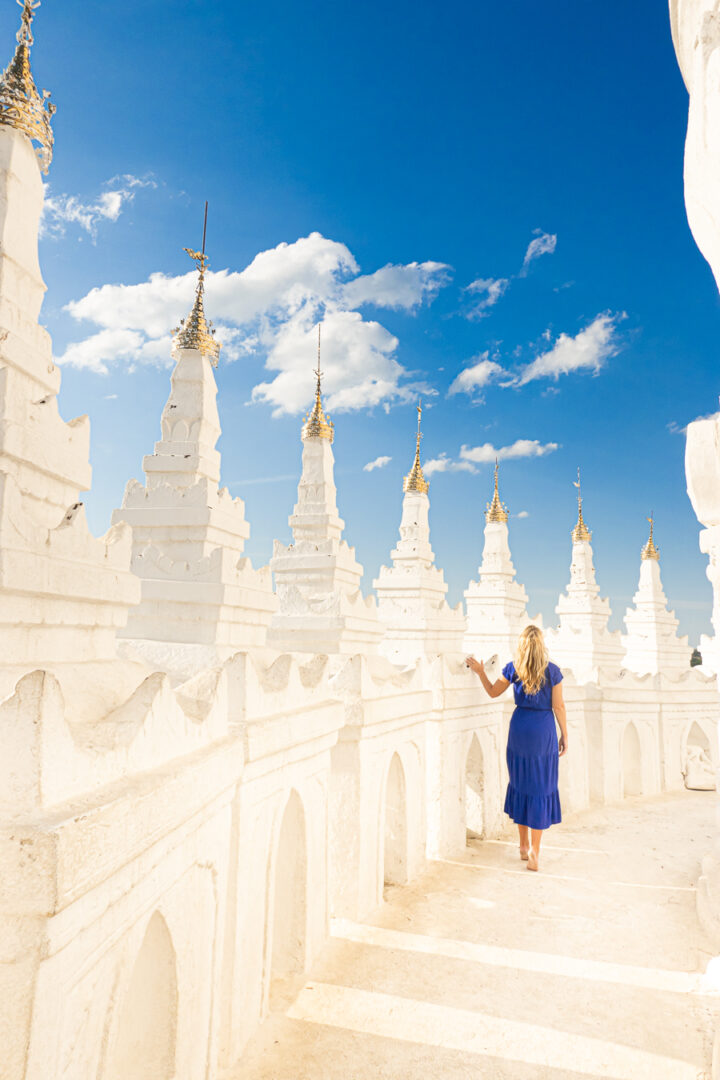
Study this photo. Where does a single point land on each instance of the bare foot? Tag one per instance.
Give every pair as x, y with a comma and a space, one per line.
523, 853
532, 859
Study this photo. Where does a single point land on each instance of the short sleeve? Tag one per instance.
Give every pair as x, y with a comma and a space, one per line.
555, 674
508, 672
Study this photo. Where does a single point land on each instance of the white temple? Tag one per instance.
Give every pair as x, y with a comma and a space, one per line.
321, 607
651, 643
496, 603
198, 772
582, 641
201, 599
411, 593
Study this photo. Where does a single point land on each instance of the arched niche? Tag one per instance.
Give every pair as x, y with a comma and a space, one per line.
144, 1043
289, 904
631, 761
396, 831
474, 791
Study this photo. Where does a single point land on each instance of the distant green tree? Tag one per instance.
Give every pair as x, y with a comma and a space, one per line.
696, 658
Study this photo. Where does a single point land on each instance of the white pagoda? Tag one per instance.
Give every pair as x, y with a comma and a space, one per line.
317, 577
652, 643
496, 603
582, 641
412, 592
201, 598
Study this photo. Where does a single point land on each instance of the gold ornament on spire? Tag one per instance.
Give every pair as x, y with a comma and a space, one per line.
496, 510
580, 532
415, 480
196, 332
317, 424
650, 551
21, 106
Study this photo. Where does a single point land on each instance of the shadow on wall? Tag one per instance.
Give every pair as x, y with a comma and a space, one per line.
396, 830
474, 791
144, 1044
632, 762
289, 902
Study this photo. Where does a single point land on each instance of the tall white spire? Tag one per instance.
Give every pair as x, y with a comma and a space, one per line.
496, 603
411, 593
651, 643
321, 607
198, 590
582, 641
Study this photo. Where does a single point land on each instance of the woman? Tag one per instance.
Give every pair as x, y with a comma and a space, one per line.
532, 799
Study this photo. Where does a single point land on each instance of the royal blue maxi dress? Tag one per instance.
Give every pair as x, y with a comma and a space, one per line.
532, 754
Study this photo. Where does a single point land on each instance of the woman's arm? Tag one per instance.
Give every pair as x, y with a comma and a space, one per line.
560, 711
493, 689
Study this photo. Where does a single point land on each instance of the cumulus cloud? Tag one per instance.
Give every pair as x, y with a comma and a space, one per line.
488, 291
398, 287
475, 377
378, 463
587, 351
271, 309
472, 456
542, 244
521, 448
59, 211
523, 514
445, 464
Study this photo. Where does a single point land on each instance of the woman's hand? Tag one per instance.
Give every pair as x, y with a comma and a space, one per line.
474, 665
563, 745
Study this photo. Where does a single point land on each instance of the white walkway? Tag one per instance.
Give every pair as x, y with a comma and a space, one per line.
482, 969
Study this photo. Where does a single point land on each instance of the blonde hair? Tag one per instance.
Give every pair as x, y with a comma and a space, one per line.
531, 659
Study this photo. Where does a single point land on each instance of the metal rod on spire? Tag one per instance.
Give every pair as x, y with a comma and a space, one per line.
205, 227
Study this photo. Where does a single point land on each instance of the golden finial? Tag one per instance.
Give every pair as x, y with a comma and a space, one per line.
415, 480
496, 510
317, 424
21, 106
581, 531
650, 551
196, 332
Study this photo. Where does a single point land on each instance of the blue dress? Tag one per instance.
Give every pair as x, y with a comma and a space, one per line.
532, 754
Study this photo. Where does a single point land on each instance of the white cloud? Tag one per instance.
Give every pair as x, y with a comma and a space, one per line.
523, 514
475, 377
398, 287
445, 464
521, 448
59, 211
489, 291
472, 456
588, 350
542, 244
271, 309
378, 463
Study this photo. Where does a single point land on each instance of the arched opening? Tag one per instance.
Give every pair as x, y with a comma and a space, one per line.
474, 791
289, 902
697, 765
632, 762
697, 737
144, 1044
395, 861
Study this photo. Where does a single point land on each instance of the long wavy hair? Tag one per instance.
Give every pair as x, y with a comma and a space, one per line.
531, 659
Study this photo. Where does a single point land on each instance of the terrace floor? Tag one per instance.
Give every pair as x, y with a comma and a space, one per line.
590, 968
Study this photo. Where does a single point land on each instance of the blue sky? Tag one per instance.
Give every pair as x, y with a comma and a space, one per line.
439, 140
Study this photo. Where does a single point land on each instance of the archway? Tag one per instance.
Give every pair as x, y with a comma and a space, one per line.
631, 762
697, 737
395, 854
474, 791
144, 1044
289, 904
